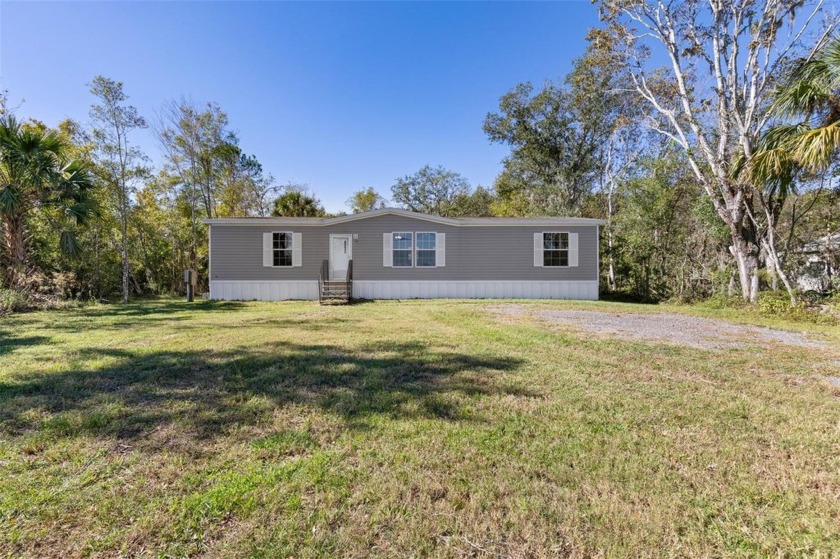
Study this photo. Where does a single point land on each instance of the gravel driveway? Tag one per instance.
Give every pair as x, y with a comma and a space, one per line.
672, 328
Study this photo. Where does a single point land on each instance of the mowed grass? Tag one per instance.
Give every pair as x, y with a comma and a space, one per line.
406, 429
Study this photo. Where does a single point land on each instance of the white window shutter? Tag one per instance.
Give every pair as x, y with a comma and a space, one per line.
440, 250
268, 249
388, 250
538, 250
573, 250
297, 250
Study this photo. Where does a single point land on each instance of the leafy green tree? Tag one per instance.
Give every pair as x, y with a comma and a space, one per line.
430, 190
667, 243
36, 175
478, 203
297, 203
557, 136
208, 172
365, 200
243, 188
195, 139
120, 164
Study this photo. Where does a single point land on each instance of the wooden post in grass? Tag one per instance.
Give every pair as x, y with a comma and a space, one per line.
190, 280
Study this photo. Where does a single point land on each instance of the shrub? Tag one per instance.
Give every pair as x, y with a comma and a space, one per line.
777, 304
13, 301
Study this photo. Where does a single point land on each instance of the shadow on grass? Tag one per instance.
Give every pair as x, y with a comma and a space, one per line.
118, 316
623, 297
10, 342
205, 395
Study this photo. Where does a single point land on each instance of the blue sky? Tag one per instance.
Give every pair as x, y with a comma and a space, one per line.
336, 95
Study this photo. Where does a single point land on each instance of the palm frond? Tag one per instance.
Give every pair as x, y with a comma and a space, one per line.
69, 244
805, 93
815, 148
9, 200
82, 211
810, 85
75, 178
767, 164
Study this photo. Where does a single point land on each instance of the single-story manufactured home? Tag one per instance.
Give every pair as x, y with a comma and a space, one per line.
398, 254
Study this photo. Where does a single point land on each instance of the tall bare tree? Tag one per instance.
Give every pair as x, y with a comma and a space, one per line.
193, 139
120, 163
741, 45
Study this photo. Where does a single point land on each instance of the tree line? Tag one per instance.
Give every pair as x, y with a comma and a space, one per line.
705, 134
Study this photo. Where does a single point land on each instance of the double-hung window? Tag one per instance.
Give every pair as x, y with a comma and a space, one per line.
403, 247
414, 249
281, 249
555, 249
426, 250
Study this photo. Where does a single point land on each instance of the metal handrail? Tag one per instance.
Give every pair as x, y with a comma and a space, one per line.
350, 279
325, 271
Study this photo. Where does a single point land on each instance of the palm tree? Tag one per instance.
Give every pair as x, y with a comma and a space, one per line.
35, 173
807, 105
808, 99
296, 203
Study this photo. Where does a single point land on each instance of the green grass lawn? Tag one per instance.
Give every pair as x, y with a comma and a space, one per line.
414, 428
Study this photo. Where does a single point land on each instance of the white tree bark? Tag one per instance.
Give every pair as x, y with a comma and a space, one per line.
739, 45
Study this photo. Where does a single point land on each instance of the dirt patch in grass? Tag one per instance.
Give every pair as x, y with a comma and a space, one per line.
692, 331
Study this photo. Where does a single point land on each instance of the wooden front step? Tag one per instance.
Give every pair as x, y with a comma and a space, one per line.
335, 291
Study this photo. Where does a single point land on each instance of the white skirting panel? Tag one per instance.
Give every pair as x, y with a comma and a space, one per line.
475, 289
308, 290
264, 290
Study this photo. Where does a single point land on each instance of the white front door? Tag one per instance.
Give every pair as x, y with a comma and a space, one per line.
341, 251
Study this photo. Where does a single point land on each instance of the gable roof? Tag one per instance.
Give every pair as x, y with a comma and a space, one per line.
454, 221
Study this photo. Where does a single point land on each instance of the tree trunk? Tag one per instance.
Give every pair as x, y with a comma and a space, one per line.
746, 258
124, 259
14, 241
610, 255
745, 249
124, 241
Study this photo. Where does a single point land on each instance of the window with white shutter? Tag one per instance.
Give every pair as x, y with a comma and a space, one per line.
282, 249
556, 249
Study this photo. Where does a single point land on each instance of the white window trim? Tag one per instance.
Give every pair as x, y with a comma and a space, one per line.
568, 249
411, 250
416, 248
291, 249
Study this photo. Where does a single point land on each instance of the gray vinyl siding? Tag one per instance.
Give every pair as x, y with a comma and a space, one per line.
472, 252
